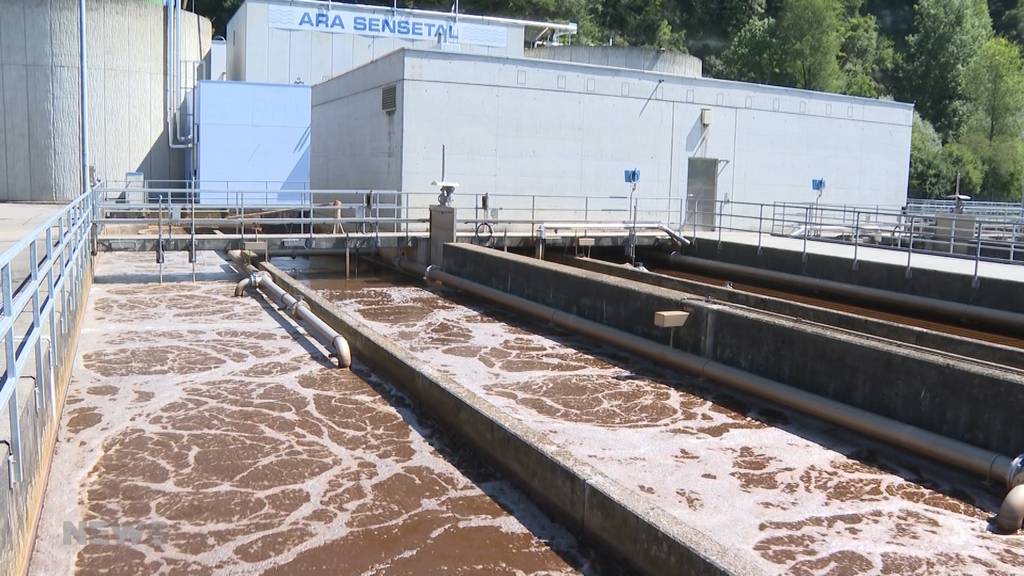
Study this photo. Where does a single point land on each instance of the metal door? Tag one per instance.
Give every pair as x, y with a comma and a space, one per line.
701, 193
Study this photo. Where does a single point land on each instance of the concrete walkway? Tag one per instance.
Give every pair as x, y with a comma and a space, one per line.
893, 256
17, 220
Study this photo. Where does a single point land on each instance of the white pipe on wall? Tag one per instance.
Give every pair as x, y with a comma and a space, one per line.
83, 94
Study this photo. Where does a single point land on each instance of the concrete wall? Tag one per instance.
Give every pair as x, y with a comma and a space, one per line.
967, 401
356, 145
522, 126
966, 347
989, 293
652, 59
40, 152
261, 51
253, 134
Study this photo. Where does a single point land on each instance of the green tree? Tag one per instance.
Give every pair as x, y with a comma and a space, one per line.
948, 35
963, 162
994, 90
754, 54
866, 57
929, 167
810, 36
639, 23
994, 122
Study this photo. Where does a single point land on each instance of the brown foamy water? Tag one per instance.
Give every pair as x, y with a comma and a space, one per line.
793, 494
204, 430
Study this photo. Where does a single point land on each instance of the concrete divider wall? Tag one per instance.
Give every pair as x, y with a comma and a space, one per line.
991, 292
586, 501
970, 403
985, 351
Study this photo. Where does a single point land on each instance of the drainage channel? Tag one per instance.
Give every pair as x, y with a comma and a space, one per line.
785, 492
206, 434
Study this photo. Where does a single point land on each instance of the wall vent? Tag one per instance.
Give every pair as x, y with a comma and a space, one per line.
389, 98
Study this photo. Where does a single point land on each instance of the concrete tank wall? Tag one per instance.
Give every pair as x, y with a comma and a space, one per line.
650, 59
40, 152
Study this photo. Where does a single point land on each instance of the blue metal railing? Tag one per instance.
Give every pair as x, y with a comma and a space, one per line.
50, 289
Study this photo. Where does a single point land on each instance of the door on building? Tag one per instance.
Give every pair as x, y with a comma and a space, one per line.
701, 193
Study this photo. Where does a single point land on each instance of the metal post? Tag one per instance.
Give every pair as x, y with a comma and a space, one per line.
347, 261
241, 217
910, 245
977, 259
312, 207
856, 237
160, 239
760, 226
696, 204
11, 378
952, 234
192, 241
34, 277
718, 220
807, 230
50, 389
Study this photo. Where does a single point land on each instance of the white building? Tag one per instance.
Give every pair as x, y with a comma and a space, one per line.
516, 126
290, 41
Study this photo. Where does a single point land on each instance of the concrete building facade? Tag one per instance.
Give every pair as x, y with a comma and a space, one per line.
525, 126
40, 151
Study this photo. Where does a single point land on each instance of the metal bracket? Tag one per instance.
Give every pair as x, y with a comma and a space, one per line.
11, 480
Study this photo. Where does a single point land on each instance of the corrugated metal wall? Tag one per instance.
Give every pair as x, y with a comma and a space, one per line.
39, 93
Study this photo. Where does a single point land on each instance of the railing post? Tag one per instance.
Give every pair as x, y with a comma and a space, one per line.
856, 237
952, 234
11, 378
807, 231
910, 246
33, 257
977, 259
760, 226
718, 221
54, 348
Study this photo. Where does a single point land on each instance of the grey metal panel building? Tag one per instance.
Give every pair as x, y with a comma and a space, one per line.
526, 126
40, 152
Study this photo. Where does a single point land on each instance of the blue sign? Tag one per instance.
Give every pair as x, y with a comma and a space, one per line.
632, 176
818, 184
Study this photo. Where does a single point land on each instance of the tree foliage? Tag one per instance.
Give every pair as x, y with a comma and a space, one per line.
948, 35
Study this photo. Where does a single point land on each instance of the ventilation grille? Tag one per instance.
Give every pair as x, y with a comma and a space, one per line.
389, 98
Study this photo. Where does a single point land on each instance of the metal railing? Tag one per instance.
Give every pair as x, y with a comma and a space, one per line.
42, 281
365, 212
992, 210
965, 236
